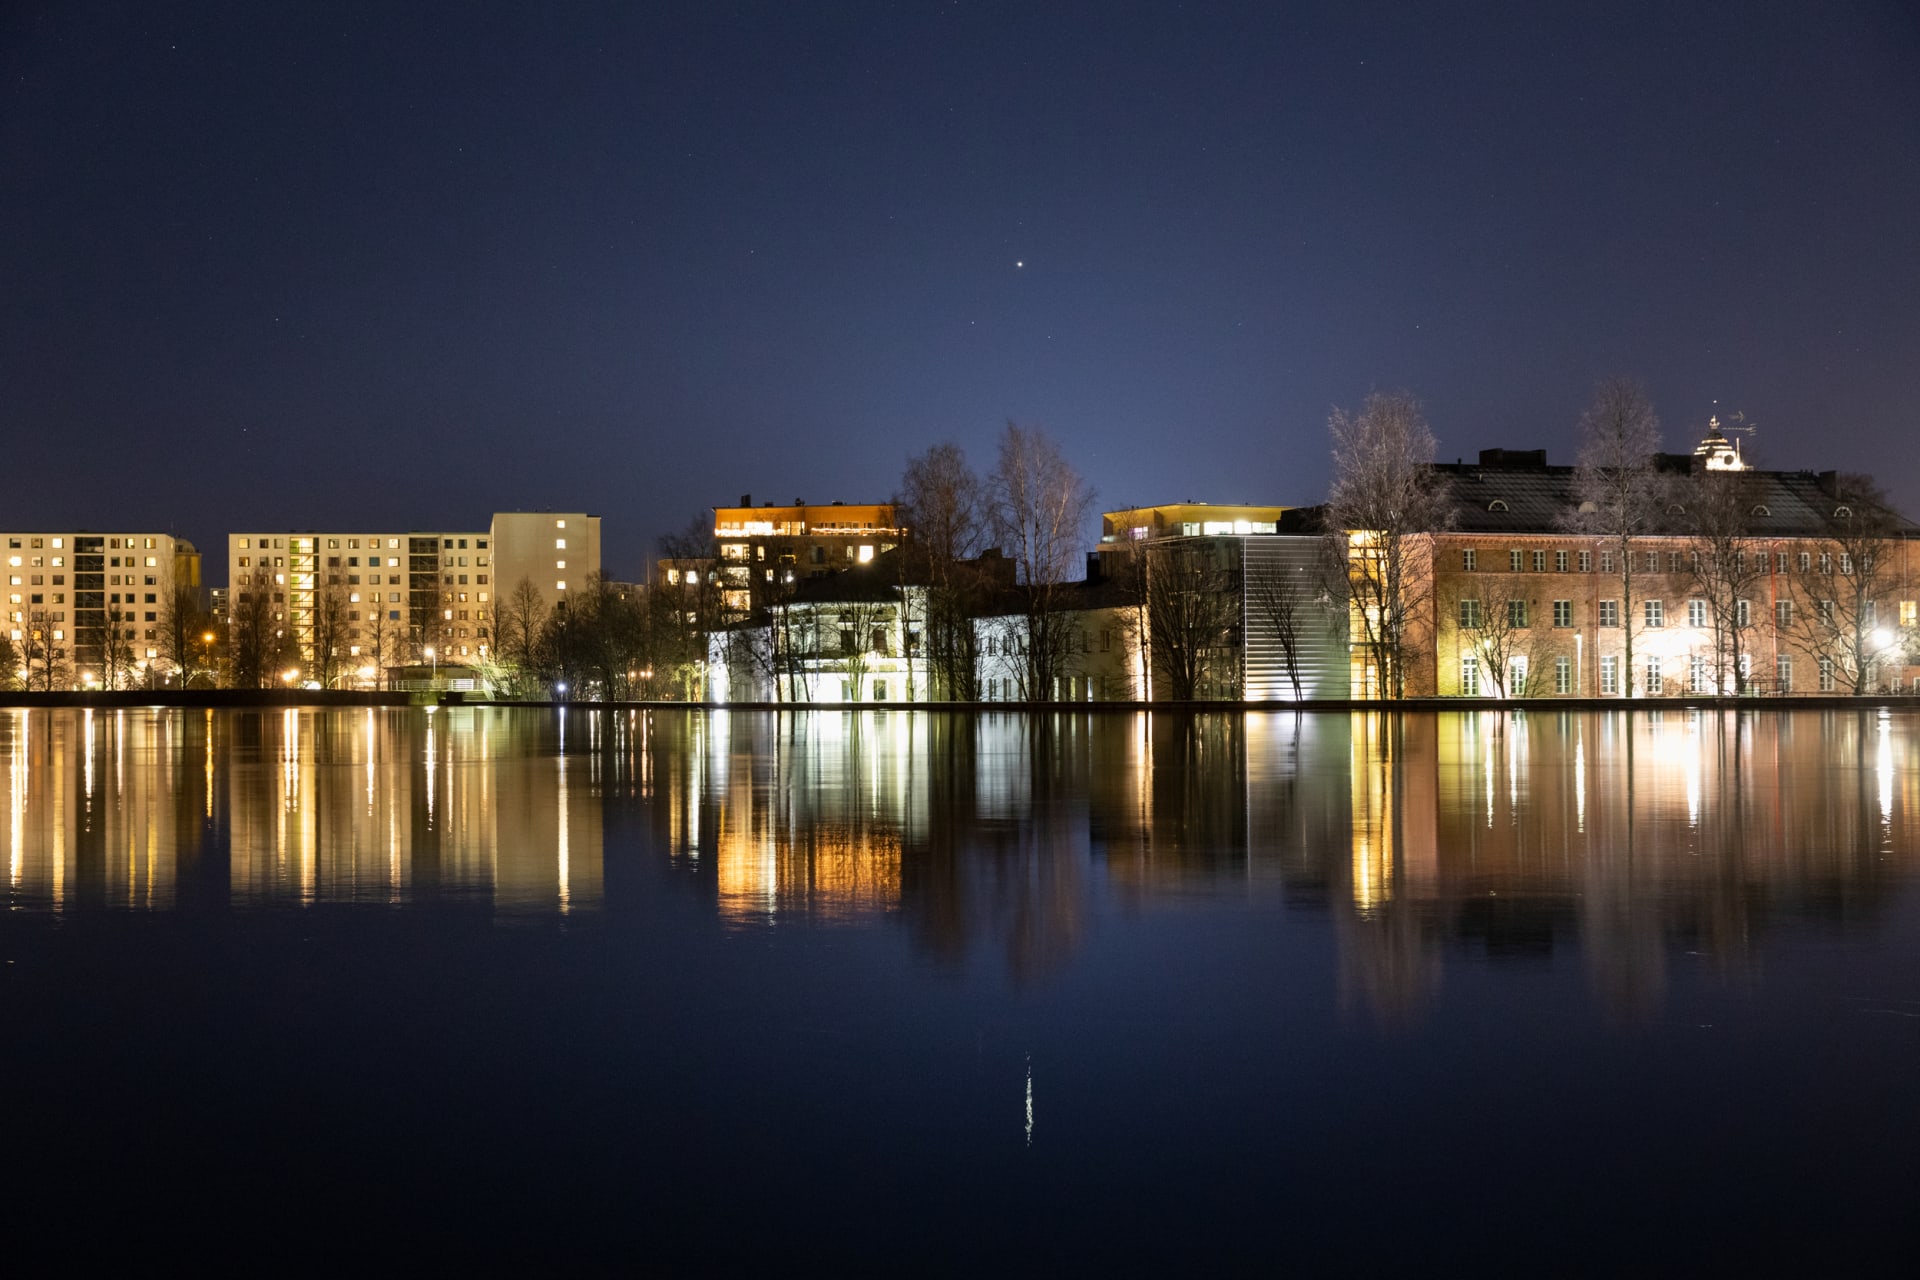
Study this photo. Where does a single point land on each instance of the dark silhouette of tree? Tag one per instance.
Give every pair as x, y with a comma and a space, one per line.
943, 503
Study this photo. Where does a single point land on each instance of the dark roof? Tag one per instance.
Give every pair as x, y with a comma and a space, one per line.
1512, 491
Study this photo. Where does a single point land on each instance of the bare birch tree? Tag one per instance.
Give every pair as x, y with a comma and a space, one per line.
1844, 621
945, 508
1385, 506
1039, 509
1617, 484
1729, 566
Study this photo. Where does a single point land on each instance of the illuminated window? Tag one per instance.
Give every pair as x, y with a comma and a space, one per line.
1909, 613
559, 564
1563, 675
559, 544
866, 553
559, 586
1470, 676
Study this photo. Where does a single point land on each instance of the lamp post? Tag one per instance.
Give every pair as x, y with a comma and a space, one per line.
434, 658
206, 656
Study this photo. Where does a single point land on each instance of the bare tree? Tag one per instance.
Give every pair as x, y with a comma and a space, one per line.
43, 653
252, 640
1729, 566
116, 647
1040, 506
183, 626
1192, 607
378, 632
1620, 491
519, 621
1385, 506
9, 663
1288, 603
686, 607
329, 636
863, 626
1843, 620
1499, 626
946, 509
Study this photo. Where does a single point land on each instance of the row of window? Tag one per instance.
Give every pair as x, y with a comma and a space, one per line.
1676, 561
1699, 677
264, 543
1654, 613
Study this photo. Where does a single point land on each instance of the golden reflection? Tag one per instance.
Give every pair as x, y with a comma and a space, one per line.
1625, 839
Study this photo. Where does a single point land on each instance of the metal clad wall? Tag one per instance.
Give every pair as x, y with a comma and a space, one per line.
1268, 560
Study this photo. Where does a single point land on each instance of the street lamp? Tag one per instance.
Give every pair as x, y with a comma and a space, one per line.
434, 658
560, 687
206, 655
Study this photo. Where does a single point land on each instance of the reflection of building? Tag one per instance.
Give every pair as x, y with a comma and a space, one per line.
64, 590
399, 594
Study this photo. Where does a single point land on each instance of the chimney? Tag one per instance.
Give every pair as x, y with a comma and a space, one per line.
746, 499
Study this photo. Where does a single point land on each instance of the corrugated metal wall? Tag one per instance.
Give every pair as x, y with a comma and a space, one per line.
1280, 562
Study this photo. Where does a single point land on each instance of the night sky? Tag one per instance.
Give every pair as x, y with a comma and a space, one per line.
390, 265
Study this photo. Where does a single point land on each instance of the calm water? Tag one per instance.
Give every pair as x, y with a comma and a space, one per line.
919, 992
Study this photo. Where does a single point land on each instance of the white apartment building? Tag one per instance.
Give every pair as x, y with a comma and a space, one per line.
64, 588
406, 593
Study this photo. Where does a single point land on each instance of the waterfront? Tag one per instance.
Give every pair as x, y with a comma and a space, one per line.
1635, 990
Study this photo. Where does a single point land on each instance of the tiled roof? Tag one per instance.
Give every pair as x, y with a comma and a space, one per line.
1537, 499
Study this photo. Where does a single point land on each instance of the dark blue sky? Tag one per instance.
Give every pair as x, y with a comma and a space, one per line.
403, 264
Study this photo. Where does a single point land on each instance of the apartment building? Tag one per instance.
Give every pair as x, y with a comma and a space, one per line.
387, 599
762, 547
85, 609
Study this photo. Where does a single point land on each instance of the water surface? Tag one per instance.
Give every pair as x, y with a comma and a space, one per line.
1569, 992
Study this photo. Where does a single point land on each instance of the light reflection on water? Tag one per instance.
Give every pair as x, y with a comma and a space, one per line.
1626, 978
1497, 835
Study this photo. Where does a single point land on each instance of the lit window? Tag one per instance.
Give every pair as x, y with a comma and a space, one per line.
866, 552
559, 586
559, 564
559, 544
559, 524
